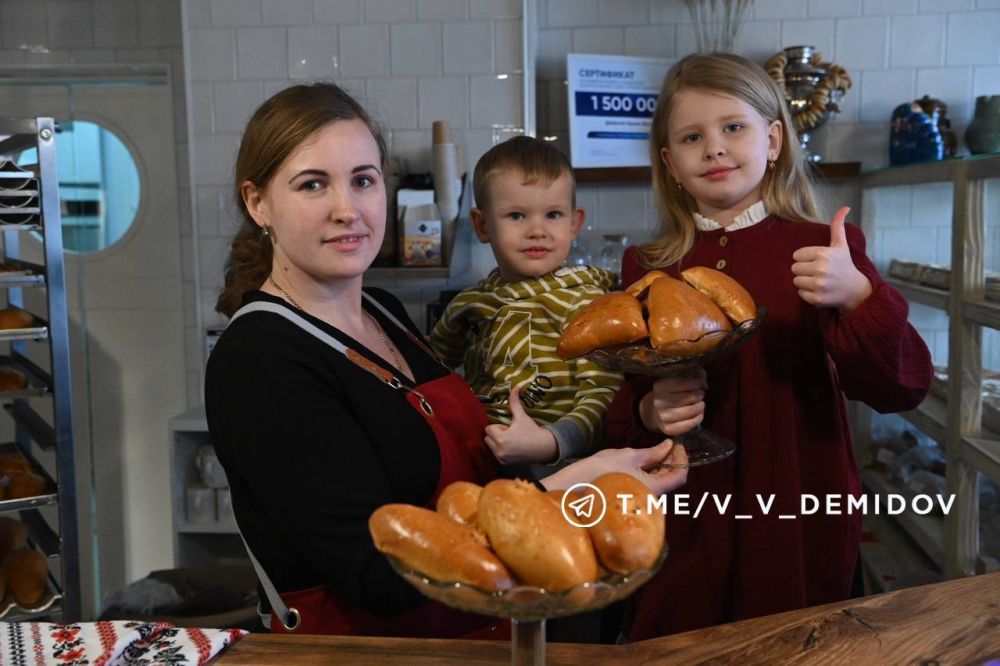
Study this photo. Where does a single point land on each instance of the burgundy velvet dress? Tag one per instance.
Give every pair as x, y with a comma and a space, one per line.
781, 399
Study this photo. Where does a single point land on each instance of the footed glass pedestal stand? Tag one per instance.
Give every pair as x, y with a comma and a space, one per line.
684, 360
528, 607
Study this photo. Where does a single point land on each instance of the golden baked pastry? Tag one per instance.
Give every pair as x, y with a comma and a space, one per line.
459, 501
627, 541
436, 546
25, 484
735, 301
27, 575
610, 319
12, 380
13, 535
12, 317
678, 315
529, 533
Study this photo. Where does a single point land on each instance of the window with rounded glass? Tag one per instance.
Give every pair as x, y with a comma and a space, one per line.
99, 188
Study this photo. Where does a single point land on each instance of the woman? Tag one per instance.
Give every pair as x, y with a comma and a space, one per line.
323, 402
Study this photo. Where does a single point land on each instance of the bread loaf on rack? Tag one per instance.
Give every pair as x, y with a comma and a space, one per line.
27, 576
12, 317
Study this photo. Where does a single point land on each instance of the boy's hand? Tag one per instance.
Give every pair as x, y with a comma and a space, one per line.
675, 405
523, 441
826, 276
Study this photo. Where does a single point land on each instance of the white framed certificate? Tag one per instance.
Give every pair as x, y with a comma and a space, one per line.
611, 104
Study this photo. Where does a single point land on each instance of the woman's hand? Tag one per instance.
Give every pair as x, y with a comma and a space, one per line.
523, 441
675, 406
636, 462
826, 276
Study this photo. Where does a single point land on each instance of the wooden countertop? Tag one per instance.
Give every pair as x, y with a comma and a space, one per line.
954, 622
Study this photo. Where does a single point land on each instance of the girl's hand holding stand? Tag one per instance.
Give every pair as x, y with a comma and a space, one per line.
675, 405
826, 276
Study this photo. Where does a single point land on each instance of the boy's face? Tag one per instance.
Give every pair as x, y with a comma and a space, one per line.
530, 227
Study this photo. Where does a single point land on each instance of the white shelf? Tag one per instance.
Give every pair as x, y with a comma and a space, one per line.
217, 527
964, 302
192, 420
911, 174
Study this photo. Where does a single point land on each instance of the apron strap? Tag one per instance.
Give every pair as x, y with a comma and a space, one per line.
290, 617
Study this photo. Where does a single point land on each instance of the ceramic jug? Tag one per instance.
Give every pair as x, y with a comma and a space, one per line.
983, 133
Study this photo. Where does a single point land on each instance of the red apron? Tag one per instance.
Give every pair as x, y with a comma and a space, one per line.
458, 421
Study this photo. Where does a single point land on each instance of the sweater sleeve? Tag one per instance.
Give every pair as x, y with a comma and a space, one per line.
880, 358
622, 427
578, 431
450, 336
305, 476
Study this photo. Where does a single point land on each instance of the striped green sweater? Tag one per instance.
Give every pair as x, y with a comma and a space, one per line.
505, 334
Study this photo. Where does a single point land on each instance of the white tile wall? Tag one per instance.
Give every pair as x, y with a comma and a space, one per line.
389, 11
657, 41
877, 7
444, 98
393, 102
312, 52
235, 12
364, 50
416, 49
261, 53
333, 11
115, 24
925, 51
608, 39
862, 43
468, 47
235, 101
69, 25
495, 9
442, 10
410, 61
623, 12
827, 9
570, 13
972, 38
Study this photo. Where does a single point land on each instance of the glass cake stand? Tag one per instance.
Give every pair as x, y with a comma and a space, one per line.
702, 447
528, 607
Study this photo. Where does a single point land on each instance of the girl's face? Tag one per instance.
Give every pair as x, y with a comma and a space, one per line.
325, 206
717, 148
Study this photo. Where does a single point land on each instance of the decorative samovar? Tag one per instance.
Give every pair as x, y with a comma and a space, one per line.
812, 89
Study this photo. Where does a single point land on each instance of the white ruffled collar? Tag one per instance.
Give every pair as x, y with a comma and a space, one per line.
747, 218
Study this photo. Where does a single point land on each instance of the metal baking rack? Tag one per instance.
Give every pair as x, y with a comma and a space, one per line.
29, 201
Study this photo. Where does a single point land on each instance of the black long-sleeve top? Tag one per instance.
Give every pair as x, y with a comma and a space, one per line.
312, 445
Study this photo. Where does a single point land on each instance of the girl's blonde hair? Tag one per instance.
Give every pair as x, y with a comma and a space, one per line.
787, 190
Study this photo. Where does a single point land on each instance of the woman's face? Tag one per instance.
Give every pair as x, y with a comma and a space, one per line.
325, 206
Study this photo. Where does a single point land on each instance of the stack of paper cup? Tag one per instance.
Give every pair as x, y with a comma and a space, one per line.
447, 184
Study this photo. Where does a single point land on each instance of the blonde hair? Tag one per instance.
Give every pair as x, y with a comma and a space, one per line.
787, 190
538, 161
277, 128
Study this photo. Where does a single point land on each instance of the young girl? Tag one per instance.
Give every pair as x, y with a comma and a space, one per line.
734, 196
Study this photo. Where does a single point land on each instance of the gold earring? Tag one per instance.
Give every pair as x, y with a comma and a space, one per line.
264, 232
679, 186
770, 165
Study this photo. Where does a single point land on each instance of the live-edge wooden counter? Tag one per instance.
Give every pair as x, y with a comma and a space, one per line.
955, 622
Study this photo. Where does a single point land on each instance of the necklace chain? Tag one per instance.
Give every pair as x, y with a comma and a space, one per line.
398, 362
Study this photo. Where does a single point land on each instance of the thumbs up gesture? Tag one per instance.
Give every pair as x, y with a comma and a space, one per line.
523, 441
826, 276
